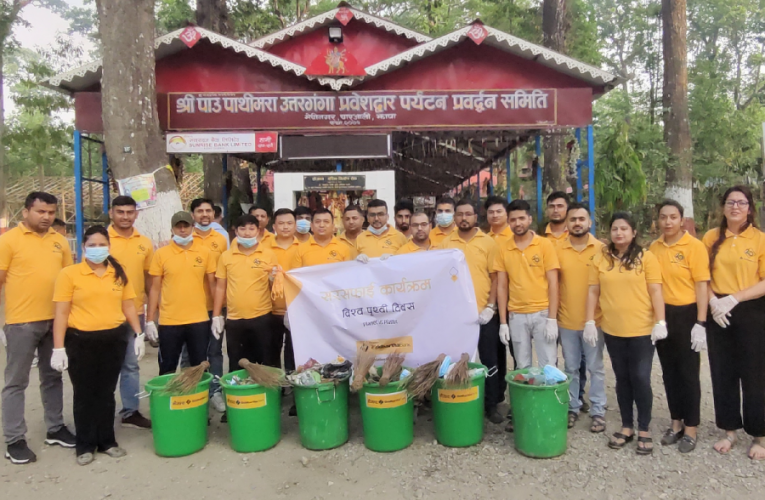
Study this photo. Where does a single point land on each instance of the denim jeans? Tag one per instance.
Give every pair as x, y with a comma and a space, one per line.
130, 381
574, 347
527, 327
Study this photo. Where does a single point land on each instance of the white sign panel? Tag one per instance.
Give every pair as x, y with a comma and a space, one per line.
214, 142
421, 304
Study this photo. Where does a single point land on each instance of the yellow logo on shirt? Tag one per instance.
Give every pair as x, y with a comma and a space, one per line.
679, 256
333, 254
57, 247
388, 242
536, 259
214, 245
142, 248
749, 252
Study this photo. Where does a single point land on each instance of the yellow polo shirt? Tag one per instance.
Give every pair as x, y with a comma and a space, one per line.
285, 256
374, 246
344, 239
683, 264
556, 240
480, 253
32, 263
573, 279
412, 247
217, 244
624, 299
527, 273
96, 301
740, 261
502, 236
311, 253
437, 235
184, 279
248, 291
134, 253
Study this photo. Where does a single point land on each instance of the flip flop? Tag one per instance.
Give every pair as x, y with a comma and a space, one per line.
618, 435
643, 450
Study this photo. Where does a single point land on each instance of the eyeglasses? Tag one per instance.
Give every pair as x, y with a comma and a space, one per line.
421, 225
379, 215
736, 203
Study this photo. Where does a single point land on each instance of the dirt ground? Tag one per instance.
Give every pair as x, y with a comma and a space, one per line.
424, 470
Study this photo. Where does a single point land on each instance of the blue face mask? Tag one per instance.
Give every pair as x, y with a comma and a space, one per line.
303, 226
182, 241
378, 232
444, 219
247, 242
96, 255
201, 227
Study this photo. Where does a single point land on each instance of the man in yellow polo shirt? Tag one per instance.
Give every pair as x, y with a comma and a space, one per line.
322, 247
557, 206
575, 255
134, 252
244, 277
420, 242
353, 222
203, 212
528, 290
179, 271
284, 246
445, 225
380, 238
480, 253
496, 216
31, 257
264, 218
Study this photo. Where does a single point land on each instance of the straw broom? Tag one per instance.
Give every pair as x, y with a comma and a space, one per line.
423, 378
362, 365
262, 375
391, 368
459, 375
187, 380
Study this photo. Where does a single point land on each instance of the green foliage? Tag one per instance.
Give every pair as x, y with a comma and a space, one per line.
620, 183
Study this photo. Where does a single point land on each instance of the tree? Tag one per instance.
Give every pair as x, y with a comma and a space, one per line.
677, 130
132, 133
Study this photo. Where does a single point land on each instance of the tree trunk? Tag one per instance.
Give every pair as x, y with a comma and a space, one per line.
555, 26
677, 130
133, 138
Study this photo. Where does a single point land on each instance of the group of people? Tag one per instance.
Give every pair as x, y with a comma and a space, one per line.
533, 292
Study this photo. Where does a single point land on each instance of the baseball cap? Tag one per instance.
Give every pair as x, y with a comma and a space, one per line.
182, 217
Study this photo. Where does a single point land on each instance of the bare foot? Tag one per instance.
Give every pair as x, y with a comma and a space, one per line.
724, 446
757, 450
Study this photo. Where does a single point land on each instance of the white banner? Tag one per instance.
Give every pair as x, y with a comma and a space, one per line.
213, 142
421, 304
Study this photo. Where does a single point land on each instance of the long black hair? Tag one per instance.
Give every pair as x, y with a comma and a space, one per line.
632, 256
750, 221
121, 277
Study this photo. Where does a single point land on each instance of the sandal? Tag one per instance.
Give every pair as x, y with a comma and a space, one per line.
598, 424
618, 435
687, 444
644, 450
572, 418
672, 437
732, 441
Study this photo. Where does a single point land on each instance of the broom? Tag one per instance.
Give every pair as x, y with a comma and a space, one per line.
187, 380
391, 368
364, 361
262, 375
423, 378
458, 376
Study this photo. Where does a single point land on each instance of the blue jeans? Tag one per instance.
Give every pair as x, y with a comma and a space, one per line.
130, 380
573, 345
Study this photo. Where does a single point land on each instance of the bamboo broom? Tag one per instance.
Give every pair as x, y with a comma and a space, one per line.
187, 380
391, 368
265, 376
364, 361
423, 378
459, 375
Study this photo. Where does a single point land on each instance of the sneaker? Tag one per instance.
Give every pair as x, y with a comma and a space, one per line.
19, 453
85, 458
136, 421
115, 452
217, 402
61, 437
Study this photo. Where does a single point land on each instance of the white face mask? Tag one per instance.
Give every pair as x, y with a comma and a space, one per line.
179, 240
378, 232
303, 226
247, 242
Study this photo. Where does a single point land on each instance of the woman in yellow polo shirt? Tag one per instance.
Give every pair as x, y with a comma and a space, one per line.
736, 337
626, 281
90, 338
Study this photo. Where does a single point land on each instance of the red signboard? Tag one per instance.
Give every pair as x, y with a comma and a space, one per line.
266, 142
477, 33
344, 15
190, 36
380, 110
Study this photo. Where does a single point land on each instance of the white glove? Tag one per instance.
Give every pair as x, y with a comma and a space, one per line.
59, 361
551, 330
698, 338
2, 337
504, 334
218, 325
140, 347
659, 332
591, 333
272, 276
721, 309
151, 331
287, 321
386, 256
485, 316
363, 258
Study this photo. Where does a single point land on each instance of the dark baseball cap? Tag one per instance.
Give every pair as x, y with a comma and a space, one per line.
179, 217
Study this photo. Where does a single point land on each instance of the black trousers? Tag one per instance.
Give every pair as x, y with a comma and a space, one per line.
95, 361
631, 359
680, 365
493, 355
737, 364
281, 331
253, 339
172, 338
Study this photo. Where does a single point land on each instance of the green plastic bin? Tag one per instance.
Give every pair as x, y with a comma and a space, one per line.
458, 411
178, 423
387, 416
322, 412
254, 414
540, 417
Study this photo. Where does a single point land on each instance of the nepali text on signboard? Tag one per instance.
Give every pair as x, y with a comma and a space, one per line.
334, 182
221, 142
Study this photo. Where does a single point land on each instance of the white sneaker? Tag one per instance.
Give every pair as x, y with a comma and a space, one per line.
217, 402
